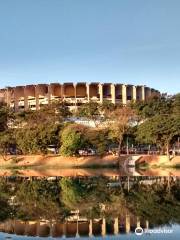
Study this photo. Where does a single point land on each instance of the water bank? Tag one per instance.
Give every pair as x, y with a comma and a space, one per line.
58, 161
50, 161
86, 172
158, 161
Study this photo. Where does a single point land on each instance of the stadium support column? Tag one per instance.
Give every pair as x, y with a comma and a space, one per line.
124, 94
138, 222
90, 228
75, 94
127, 224
134, 94
26, 107
88, 92
16, 101
143, 93
49, 94
62, 92
147, 224
113, 94
101, 93
37, 97
147, 93
103, 227
50, 229
64, 229
7, 96
116, 226
37, 228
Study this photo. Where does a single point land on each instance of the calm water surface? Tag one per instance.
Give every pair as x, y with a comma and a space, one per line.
101, 207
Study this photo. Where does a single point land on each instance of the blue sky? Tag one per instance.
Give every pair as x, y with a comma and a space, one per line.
128, 41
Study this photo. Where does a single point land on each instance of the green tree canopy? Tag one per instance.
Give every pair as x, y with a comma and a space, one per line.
160, 129
73, 139
36, 139
152, 107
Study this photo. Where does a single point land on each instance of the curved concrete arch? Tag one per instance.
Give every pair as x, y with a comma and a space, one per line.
94, 90
107, 91
81, 90
31, 229
139, 93
41, 89
58, 230
43, 230
69, 90
55, 89
71, 229
129, 93
147, 93
83, 228
118, 92
97, 229
29, 91
19, 228
19, 92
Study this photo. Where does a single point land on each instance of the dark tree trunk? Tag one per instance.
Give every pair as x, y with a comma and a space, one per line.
119, 149
167, 150
120, 143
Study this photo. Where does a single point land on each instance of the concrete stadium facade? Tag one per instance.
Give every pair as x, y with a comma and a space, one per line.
75, 94
74, 227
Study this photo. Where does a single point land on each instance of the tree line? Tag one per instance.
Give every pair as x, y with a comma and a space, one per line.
155, 121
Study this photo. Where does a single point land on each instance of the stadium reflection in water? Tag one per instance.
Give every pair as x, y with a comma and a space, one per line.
89, 207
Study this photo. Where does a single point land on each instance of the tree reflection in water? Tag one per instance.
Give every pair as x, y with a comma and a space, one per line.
87, 206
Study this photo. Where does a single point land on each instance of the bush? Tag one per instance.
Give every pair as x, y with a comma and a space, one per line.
72, 139
36, 139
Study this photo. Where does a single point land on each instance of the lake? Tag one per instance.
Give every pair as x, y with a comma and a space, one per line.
96, 207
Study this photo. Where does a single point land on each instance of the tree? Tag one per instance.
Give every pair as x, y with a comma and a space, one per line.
62, 110
3, 119
152, 107
5, 208
160, 130
5, 116
35, 130
71, 192
119, 123
106, 107
98, 139
53, 113
36, 199
73, 139
176, 105
6, 134
91, 111
7, 140
35, 139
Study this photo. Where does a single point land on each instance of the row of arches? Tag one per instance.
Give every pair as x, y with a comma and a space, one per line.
76, 228
117, 93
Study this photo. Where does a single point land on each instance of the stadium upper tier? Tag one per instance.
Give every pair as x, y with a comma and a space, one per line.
34, 96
